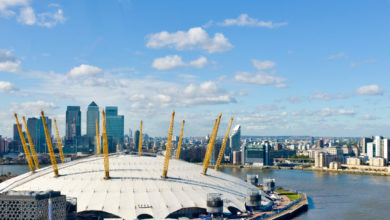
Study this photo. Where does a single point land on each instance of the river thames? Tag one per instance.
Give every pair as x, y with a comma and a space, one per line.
331, 196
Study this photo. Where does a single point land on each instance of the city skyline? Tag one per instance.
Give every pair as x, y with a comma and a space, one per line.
299, 68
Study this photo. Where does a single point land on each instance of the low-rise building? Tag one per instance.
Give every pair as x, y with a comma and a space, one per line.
334, 165
236, 157
354, 161
377, 162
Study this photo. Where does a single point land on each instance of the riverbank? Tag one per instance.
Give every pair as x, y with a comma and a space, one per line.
338, 171
293, 210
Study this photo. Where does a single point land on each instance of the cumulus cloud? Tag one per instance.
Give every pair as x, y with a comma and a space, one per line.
32, 108
168, 62
51, 19
370, 90
85, 70
263, 65
199, 63
194, 38
261, 77
245, 20
270, 107
173, 61
326, 112
326, 97
28, 16
7, 87
6, 6
8, 62
258, 78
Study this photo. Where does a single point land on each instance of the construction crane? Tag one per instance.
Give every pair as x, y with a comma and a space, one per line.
49, 146
24, 144
105, 149
211, 144
168, 147
222, 150
97, 138
31, 143
180, 140
59, 143
140, 141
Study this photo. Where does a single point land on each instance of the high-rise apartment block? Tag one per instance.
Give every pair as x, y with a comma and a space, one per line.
235, 139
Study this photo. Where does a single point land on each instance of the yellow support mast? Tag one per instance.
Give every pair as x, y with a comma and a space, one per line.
210, 147
31, 143
222, 150
140, 141
105, 149
168, 147
24, 144
97, 138
180, 140
59, 143
49, 145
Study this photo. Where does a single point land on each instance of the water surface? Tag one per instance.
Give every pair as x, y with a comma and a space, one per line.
332, 196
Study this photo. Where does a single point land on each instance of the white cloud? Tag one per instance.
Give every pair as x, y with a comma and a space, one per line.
173, 61
32, 108
326, 112
8, 62
7, 87
261, 77
51, 19
368, 117
370, 90
258, 78
263, 65
245, 20
337, 56
194, 38
168, 62
326, 97
356, 64
270, 108
6, 5
85, 71
199, 63
28, 16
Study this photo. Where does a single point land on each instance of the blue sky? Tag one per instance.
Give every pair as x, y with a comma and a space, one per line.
316, 68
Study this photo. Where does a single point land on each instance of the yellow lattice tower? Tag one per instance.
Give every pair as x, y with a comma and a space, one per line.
180, 141
222, 150
59, 143
140, 141
210, 147
49, 146
105, 149
168, 147
31, 143
24, 144
97, 138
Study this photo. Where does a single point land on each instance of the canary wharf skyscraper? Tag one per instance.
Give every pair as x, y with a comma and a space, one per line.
73, 123
92, 116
